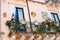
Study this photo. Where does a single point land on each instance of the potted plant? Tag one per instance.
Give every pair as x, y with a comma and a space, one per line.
47, 26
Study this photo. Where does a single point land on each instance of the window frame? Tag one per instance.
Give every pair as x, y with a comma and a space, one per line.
16, 13
54, 16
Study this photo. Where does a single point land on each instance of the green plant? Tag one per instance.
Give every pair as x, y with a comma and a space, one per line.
15, 27
51, 25
8, 23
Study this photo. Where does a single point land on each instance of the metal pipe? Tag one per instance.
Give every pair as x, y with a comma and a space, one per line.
29, 15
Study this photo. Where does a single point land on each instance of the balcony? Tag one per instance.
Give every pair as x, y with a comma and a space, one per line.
45, 30
23, 26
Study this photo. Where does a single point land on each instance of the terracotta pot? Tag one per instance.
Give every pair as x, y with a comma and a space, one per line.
27, 38
35, 37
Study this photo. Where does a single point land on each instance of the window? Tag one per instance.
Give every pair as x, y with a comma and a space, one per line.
19, 14
55, 17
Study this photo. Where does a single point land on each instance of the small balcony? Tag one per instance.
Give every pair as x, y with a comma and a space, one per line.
22, 31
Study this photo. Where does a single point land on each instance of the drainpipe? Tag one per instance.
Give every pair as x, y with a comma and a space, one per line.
29, 15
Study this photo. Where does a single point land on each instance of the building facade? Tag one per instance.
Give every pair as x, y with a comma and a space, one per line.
30, 10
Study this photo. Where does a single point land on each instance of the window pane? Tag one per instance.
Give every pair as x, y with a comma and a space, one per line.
54, 17
20, 14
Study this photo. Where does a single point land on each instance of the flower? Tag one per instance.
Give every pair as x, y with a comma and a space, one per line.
35, 22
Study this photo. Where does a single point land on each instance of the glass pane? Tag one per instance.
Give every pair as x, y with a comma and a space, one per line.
56, 18
52, 17
20, 14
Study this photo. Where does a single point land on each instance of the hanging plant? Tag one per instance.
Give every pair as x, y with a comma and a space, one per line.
8, 23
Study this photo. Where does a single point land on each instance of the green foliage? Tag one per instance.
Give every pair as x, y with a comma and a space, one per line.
51, 25
15, 27
41, 30
8, 23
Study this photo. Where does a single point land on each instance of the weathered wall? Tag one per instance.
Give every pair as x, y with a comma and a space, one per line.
8, 7
38, 8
